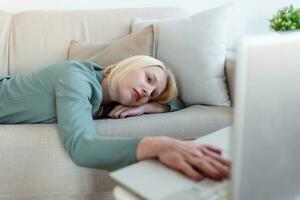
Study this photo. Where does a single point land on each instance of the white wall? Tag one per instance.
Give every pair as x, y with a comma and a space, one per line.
19, 5
256, 13
249, 16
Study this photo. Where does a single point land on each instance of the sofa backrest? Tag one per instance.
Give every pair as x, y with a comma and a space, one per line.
4, 36
32, 40
40, 38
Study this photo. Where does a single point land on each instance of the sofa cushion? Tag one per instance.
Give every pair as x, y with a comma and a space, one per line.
195, 47
40, 38
4, 33
35, 166
193, 121
138, 43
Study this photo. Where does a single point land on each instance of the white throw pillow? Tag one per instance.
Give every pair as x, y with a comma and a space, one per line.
194, 48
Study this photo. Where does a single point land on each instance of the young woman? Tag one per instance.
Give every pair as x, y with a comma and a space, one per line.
73, 93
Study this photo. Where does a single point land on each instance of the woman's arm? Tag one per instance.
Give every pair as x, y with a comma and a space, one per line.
77, 130
155, 107
121, 111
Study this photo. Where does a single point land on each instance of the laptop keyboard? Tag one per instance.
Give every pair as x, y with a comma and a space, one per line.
207, 189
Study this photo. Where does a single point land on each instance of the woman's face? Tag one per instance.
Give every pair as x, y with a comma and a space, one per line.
140, 86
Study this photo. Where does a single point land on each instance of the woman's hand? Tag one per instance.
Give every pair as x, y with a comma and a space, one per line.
121, 111
194, 160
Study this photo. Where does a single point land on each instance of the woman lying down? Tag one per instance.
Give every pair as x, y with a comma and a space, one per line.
73, 93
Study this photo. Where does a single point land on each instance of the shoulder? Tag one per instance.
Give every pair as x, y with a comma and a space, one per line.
84, 65
80, 79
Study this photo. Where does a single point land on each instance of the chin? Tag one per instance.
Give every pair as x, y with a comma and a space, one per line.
126, 103
129, 102
126, 100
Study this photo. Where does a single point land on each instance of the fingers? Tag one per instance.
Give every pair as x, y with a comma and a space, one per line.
188, 170
124, 111
195, 160
130, 112
223, 169
115, 113
212, 148
203, 165
211, 163
217, 157
177, 162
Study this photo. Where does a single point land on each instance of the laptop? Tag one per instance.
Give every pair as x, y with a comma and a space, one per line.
266, 124
263, 142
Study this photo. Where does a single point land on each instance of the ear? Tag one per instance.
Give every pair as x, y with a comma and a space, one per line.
107, 72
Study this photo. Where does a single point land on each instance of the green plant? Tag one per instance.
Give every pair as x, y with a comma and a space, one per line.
286, 19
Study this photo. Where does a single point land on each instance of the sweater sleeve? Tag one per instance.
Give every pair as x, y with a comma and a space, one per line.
176, 104
77, 131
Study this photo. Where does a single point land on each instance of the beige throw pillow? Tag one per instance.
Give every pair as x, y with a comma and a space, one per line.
141, 42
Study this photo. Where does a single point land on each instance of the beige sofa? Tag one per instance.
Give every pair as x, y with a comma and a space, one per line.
33, 162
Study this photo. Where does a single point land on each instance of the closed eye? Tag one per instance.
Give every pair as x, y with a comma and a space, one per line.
148, 78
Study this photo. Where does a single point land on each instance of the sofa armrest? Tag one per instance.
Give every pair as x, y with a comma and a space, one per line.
230, 77
5, 18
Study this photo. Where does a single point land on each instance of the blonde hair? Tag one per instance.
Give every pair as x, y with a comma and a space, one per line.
117, 71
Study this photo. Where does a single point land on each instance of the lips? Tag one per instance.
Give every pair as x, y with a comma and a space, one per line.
136, 95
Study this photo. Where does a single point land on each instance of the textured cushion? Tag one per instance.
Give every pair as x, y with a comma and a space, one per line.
193, 121
138, 43
194, 47
4, 32
40, 38
35, 166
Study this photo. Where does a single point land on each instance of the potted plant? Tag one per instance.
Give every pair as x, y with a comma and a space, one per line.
286, 19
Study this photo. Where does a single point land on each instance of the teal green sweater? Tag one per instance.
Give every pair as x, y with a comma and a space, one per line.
68, 93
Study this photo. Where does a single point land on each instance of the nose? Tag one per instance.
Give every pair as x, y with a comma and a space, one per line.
146, 91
